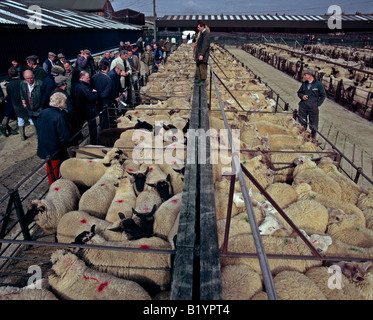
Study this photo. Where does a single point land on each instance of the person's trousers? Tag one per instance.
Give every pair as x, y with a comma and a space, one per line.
92, 127
55, 168
310, 115
201, 71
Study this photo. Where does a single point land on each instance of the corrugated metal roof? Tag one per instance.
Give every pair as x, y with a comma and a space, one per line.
17, 13
265, 17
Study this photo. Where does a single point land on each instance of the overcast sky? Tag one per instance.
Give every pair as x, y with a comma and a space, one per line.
175, 7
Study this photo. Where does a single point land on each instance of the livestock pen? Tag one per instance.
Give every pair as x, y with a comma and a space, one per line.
202, 268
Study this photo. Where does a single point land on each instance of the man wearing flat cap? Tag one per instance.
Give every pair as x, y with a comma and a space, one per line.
60, 60
49, 62
312, 94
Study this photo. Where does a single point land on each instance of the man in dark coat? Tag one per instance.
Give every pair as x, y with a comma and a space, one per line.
84, 100
202, 53
312, 94
54, 134
13, 90
104, 86
49, 62
39, 72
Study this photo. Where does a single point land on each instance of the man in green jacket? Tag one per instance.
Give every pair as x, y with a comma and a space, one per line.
30, 93
312, 94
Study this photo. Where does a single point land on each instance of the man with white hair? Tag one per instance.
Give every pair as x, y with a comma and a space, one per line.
54, 134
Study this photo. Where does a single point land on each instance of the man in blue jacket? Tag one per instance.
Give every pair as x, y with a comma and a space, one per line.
312, 94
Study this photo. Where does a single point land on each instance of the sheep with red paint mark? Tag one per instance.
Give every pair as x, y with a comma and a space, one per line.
124, 200
63, 196
73, 280
166, 216
97, 199
151, 270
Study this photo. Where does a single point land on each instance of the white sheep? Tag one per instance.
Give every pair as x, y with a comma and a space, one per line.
146, 200
123, 201
350, 190
365, 204
75, 223
305, 192
282, 193
63, 196
335, 285
87, 171
239, 282
244, 243
97, 199
348, 232
166, 215
319, 181
73, 280
150, 270
39, 290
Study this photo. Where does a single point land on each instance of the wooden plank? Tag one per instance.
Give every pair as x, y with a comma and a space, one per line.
210, 273
183, 275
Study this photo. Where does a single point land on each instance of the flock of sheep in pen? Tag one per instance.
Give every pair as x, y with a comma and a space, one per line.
137, 206
347, 74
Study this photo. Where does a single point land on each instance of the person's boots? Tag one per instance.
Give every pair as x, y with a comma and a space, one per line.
22, 132
11, 130
3, 127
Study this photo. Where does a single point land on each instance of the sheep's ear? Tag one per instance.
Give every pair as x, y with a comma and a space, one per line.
153, 210
42, 208
121, 215
93, 228
151, 185
131, 173
134, 211
117, 229
107, 164
104, 151
168, 178
147, 171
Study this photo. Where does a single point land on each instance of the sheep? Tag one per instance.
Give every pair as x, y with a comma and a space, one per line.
87, 171
74, 223
348, 232
293, 285
124, 200
140, 226
282, 193
73, 280
244, 243
264, 127
176, 172
132, 265
319, 181
35, 291
350, 190
305, 192
139, 180
365, 204
239, 282
63, 196
338, 286
157, 179
146, 200
166, 215
98, 198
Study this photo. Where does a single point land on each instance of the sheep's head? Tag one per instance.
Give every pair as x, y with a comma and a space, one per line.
85, 236
163, 187
144, 125
139, 179
352, 270
35, 211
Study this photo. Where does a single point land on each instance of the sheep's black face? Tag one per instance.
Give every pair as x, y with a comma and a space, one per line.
144, 125
163, 188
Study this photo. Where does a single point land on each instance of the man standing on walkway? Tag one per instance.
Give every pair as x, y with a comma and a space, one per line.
202, 53
312, 94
